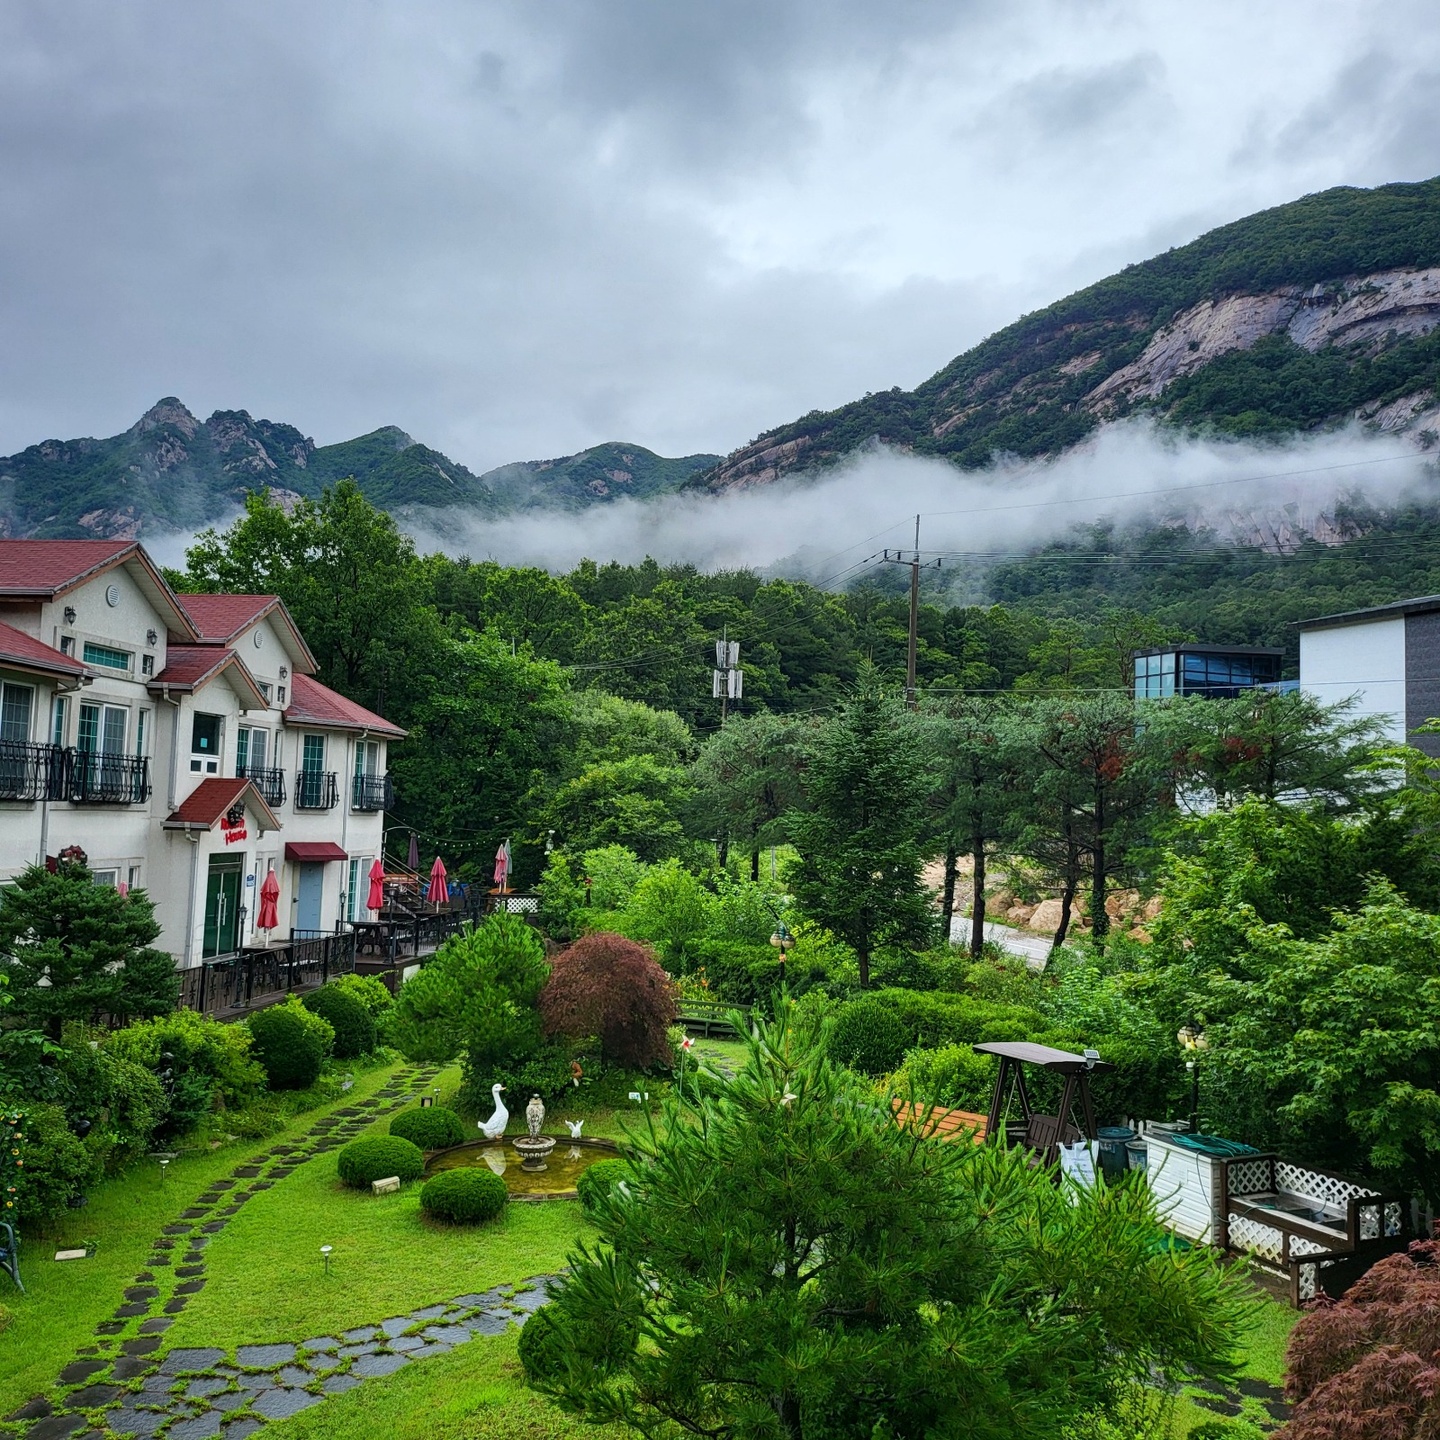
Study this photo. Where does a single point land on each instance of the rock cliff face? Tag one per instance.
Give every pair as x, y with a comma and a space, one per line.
1311, 314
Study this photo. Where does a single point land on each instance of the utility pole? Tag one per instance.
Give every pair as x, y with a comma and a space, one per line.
898, 558
728, 682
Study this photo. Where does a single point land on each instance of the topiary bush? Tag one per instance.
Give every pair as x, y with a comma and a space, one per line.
377, 1157
868, 1037
291, 1044
432, 1128
464, 1197
596, 1181
354, 1029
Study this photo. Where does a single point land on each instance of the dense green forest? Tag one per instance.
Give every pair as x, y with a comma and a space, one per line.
1018, 391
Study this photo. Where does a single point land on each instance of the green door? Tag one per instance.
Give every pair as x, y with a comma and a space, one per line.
222, 908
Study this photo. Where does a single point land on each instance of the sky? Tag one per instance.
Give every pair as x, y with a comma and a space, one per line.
518, 229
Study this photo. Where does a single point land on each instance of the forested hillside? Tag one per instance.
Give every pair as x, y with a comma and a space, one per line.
1288, 319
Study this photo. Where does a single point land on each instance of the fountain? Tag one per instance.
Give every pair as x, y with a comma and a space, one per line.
534, 1149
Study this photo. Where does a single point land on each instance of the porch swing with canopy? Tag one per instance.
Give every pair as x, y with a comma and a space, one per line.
1042, 1134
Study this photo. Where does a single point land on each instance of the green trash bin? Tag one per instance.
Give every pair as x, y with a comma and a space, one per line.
1113, 1139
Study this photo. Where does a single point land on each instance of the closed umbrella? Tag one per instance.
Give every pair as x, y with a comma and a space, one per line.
376, 899
438, 892
502, 866
269, 916
414, 861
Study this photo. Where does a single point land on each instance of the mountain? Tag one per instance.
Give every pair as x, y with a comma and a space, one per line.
1295, 318
172, 471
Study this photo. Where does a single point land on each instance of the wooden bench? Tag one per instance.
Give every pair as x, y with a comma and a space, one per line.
931, 1120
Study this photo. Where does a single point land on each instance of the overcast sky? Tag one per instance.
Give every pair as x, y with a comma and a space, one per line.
517, 229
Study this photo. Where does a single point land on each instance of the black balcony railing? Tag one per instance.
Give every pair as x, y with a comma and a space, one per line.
316, 790
31, 772
98, 778
268, 781
372, 792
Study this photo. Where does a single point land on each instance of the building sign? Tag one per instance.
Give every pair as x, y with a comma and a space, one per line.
232, 826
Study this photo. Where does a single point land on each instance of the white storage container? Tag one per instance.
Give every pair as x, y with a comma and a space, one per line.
1186, 1187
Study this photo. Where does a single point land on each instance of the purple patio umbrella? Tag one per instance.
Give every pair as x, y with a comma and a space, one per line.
414, 861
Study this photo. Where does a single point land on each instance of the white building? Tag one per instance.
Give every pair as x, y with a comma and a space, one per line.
183, 743
1386, 657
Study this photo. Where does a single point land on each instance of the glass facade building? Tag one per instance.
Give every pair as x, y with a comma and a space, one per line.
1218, 671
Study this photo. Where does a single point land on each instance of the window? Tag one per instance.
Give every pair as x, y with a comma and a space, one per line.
59, 716
142, 730
107, 656
367, 757
147, 664
312, 757
351, 904
102, 730
264, 689
205, 745
280, 696
106, 878
133, 876
252, 749
16, 702
67, 644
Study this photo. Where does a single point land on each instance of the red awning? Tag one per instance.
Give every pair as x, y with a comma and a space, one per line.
309, 851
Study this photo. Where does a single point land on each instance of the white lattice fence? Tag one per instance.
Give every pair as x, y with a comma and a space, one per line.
1329, 1190
1249, 1177
1249, 1234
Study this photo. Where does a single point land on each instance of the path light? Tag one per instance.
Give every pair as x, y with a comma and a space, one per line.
325, 1254
163, 1164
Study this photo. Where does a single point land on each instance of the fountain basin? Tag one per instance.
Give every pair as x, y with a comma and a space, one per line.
567, 1158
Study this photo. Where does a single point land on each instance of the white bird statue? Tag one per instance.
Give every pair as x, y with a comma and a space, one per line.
574, 1128
494, 1127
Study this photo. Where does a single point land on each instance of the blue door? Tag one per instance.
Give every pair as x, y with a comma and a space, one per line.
308, 893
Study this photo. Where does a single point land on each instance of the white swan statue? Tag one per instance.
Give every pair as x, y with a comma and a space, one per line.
574, 1128
494, 1127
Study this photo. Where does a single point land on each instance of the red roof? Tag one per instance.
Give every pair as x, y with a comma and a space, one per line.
42, 568
314, 850
312, 703
215, 797
191, 667
18, 648
220, 618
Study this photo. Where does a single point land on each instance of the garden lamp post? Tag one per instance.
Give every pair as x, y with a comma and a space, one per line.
784, 942
1192, 1041
325, 1256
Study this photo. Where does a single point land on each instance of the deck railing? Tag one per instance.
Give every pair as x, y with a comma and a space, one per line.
249, 978
32, 772
99, 777
371, 793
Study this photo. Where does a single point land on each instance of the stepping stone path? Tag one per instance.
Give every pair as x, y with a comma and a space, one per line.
1227, 1400
101, 1396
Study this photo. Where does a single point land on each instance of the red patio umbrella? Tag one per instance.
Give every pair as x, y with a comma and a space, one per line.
502, 866
269, 916
376, 899
438, 892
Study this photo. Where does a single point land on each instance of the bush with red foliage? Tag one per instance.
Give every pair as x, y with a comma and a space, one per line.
610, 987
1367, 1367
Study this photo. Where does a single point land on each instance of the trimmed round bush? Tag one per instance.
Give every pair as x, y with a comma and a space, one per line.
354, 1029
464, 1197
377, 1157
595, 1182
432, 1128
541, 1350
868, 1037
291, 1044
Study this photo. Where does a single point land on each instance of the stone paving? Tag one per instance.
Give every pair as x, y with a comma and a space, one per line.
122, 1382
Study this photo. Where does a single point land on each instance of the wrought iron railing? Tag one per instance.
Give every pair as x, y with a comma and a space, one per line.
100, 778
372, 792
268, 780
316, 790
252, 978
32, 772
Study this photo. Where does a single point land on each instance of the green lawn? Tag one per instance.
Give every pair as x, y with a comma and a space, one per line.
64, 1301
476, 1392
1264, 1360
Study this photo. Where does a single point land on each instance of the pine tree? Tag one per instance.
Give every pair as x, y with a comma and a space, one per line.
75, 950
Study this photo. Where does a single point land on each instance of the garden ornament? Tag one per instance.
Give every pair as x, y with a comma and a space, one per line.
494, 1127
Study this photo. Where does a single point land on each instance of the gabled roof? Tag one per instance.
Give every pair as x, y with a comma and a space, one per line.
312, 703
47, 569
220, 618
19, 651
189, 668
215, 797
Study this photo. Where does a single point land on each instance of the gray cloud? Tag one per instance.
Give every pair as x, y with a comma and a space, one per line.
518, 229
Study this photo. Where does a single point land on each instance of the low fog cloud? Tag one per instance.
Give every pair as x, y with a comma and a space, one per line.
826, 528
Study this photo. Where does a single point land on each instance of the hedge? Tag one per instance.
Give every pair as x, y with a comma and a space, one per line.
378, 1157
354, 1029
868, 1036
291, 1043
464, 1197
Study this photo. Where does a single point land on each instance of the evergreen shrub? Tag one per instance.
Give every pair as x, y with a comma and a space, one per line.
378, 1157
596, 1181
354, 1029
867, 1036
291, 1043
431, 1128
464, 1197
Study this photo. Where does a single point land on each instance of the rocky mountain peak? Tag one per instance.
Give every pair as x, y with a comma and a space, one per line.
169, 411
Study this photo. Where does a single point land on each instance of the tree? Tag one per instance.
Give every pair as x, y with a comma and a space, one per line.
784, 1261
746, 778
671, 909
475, 1000
860, 857
75, 950
976, 763
609, 987
635, 802
1363, 1368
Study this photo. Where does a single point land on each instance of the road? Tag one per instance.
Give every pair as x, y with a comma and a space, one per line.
1033, 949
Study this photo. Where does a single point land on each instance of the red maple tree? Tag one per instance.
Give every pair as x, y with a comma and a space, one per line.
612, 988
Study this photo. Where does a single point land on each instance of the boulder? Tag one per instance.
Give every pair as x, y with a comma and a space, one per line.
1046, 916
